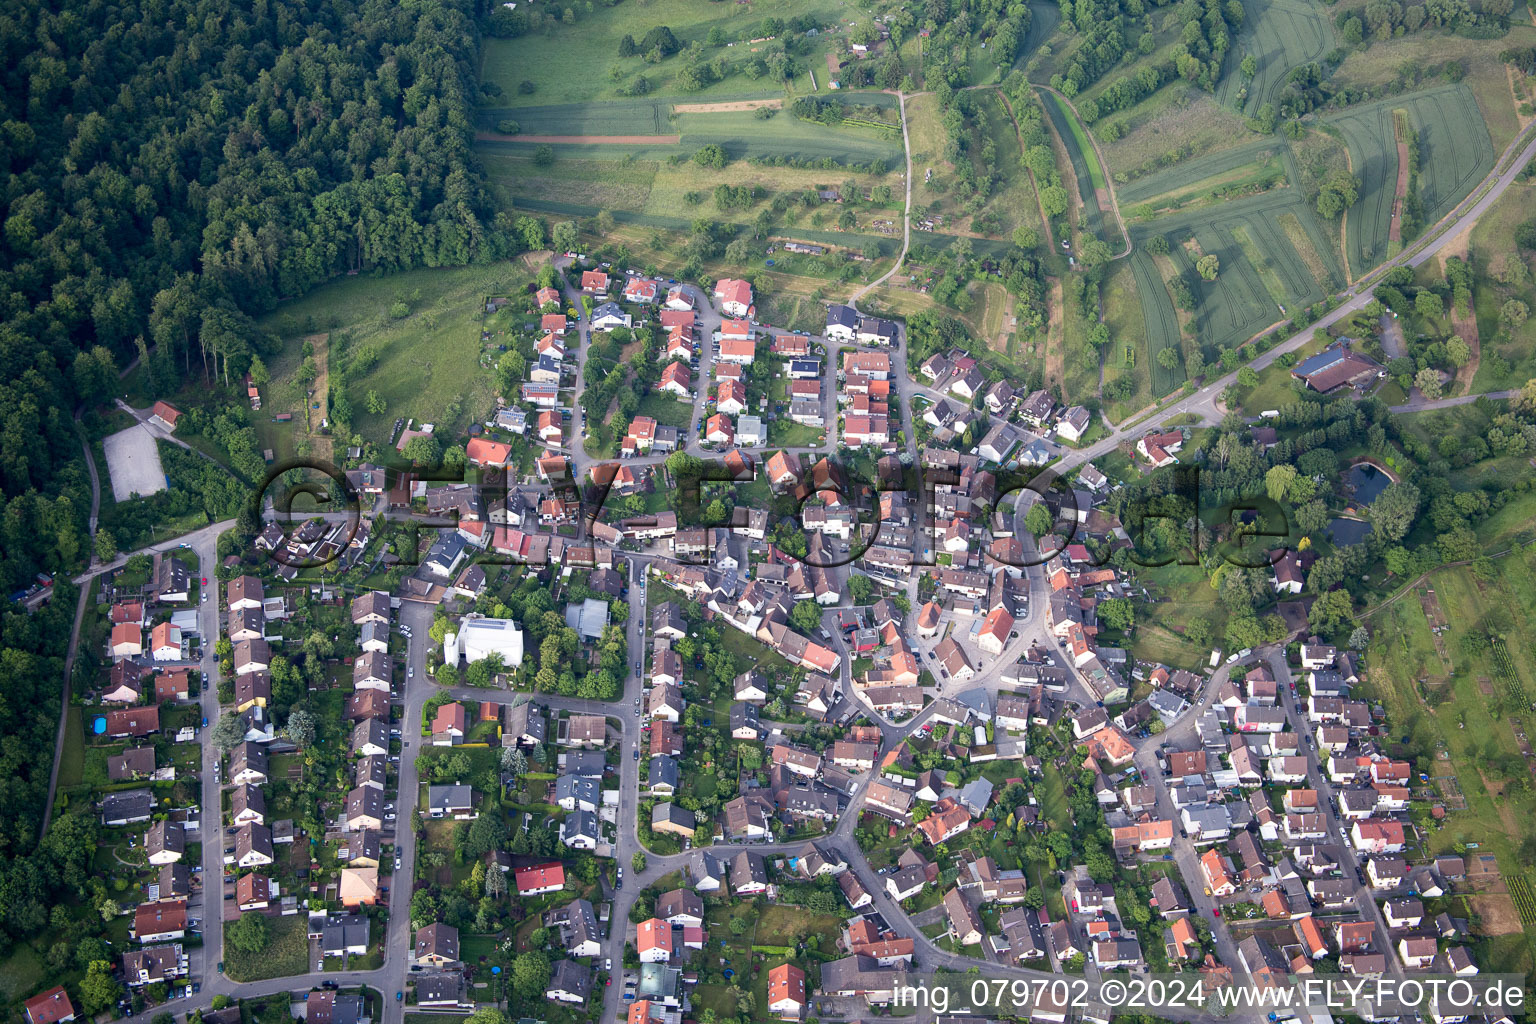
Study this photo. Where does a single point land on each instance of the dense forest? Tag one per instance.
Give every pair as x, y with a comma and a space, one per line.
171, 169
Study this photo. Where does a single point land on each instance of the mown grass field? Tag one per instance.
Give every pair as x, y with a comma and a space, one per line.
1173, 124
1080, 138
667, 194
1493, 252
573, 62
428, 359
1455, 152
1129, 355
1280, 34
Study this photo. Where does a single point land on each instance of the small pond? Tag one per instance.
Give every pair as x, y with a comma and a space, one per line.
1345, 532
1366, 482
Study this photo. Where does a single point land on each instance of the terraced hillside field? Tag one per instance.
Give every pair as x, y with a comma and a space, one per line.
1455, 153
1281, 35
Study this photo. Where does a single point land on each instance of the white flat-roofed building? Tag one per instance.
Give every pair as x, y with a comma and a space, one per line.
478, 638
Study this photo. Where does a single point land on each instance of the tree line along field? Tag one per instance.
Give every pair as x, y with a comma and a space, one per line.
1279, 35
1085, 167
1455, 153
741, 133
572, 62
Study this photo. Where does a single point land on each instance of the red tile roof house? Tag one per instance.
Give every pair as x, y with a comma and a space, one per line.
638, 289
786, 991
676, 380
653, 941
543, 878
50, 1007
734, 296
731, 397
594, 282
679, 345
448, 726
737, 350
165, 415
1158, 449
718, 430
482, 452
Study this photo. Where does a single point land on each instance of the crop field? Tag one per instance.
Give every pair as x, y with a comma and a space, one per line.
1044, 19
573, 62
1246, 296
1219, 176
1280, 34
1383, 63
740, 132
1455, 153
1161, 321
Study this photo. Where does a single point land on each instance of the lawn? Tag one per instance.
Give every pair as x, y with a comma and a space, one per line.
430, 362
1128, 356
21, 973
72, 766
788, 926
666, 410
287, 952
786, 433
1274, 388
